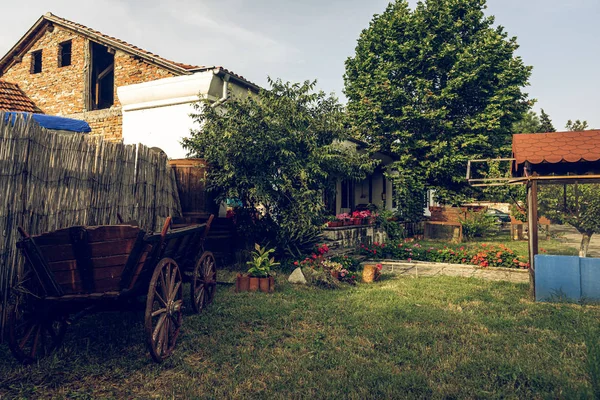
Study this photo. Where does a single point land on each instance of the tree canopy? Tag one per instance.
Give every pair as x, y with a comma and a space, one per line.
576, 125
277, 152
436, 86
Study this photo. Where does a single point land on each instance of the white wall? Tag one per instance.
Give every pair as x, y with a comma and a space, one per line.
162, 127
157, 113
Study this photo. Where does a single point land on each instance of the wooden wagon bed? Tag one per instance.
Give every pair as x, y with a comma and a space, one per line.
78, 270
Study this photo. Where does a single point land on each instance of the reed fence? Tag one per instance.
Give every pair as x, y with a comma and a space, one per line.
51, 180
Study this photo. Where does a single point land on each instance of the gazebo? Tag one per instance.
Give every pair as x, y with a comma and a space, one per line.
547, 158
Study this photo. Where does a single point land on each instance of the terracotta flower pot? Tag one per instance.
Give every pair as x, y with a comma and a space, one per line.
242, 283
254, 284
335, 274
271, 284
348, 222
264, 284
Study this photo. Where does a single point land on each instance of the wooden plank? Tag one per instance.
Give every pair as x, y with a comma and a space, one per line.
58, 253
60, 237
112, 233
532, 219
107, 249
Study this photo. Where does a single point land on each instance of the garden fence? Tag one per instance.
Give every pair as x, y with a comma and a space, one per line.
51, 180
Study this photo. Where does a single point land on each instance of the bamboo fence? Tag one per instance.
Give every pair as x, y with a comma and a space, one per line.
51, 180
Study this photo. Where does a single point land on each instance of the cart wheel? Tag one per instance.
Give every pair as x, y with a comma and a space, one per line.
164, 309
33, 336
204, 282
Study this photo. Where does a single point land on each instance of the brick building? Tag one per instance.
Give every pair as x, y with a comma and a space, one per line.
68, 69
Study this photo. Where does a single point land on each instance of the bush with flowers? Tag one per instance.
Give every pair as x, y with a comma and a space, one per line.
320, 269
483, 255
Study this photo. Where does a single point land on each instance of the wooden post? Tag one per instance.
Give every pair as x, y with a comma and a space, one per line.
532, 220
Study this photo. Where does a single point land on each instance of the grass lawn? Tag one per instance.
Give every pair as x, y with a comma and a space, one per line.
442, 337
551, 246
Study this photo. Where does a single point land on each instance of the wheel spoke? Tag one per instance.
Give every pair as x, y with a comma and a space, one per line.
159, 312
200, 294
165, 342
160, 299
175, 291
172, 282
35, 341
163, 285
159, 325
27, 335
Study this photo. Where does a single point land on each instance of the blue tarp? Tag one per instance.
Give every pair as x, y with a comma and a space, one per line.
53, 122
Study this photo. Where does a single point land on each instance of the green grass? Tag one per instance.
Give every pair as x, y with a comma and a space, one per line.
551, 246
442, 337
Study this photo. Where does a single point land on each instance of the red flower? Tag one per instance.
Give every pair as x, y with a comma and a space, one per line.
295, 262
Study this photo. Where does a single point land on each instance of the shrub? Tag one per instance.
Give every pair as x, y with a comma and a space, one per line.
477, 224
484, 255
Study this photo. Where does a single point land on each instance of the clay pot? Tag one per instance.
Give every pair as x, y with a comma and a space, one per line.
335, 274
264, 284
242, 283
254, 284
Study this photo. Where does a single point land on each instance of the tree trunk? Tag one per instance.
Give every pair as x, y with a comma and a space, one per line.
585, 243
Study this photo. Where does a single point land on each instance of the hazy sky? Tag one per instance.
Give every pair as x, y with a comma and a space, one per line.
308, 39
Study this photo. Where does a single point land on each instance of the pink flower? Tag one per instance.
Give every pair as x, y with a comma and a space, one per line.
410, 259
295, 262
379, 266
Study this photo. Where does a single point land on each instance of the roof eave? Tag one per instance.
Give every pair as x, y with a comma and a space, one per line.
21, 45
115, 44
8, 58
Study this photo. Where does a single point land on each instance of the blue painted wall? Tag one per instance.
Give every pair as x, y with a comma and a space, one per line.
568, 277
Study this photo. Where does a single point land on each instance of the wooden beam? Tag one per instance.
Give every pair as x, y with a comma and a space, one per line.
105, 72
532, 220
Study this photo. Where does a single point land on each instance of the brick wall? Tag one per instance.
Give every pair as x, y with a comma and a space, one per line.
62, 90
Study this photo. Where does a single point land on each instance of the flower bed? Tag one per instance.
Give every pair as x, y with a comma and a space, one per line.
323, 270
484, 255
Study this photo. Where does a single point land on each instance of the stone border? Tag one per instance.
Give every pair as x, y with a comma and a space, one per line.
424, 268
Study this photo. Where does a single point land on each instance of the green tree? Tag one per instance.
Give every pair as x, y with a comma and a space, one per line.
546, 123
574, 204
576, 126
277, 152
436, 86
530, 123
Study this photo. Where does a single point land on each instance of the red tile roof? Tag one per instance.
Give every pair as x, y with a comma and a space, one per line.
178, 68
91, 32
556, 147
12, 98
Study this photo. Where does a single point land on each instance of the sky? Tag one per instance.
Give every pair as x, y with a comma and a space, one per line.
311, 39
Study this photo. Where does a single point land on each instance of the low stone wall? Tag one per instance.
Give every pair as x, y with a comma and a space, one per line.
422, 268
350, 237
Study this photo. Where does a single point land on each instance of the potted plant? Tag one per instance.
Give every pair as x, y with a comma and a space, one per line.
259, 271
334, 222
334, 268
345, 218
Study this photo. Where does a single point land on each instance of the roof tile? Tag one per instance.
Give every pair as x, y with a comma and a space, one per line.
12, 98
556, 147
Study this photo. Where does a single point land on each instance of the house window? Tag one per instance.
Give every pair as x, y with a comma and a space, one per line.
64, 54
347, 194
102, 80
36, 62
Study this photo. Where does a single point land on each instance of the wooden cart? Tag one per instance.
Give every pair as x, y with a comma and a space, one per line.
79, 270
